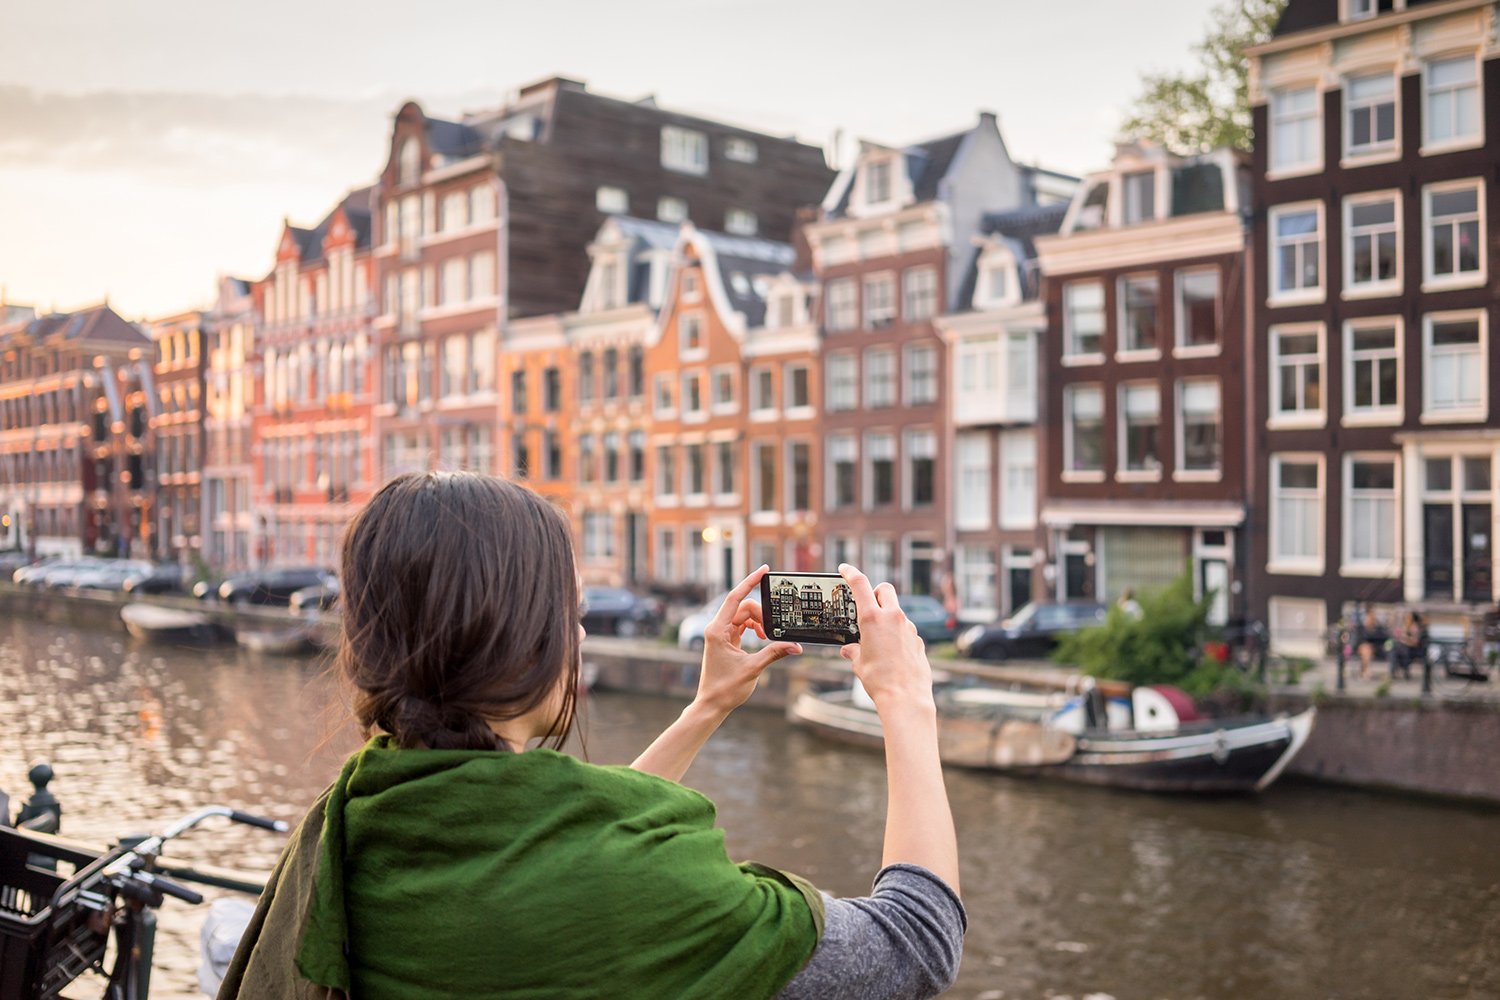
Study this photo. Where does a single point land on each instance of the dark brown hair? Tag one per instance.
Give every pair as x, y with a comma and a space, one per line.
461, 607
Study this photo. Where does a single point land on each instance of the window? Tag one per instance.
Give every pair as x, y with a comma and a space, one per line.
1453, 250
669, 209
692, 395
843, 453
762, 391
921, 468
880, 559
1198, 438
695, 483
611, 200
880, 378
1083, 430
481, 276
1083, 319
798, 393
740, 150
690, 334
724, 391
1450, 106
843, 384
1140, 428
1140, 196
666, 471
1372, 238
972, 502
880, 470
553, 460
841, 310
763, 468
741, 222
518, 392
666, 554
1138, 313
552, 389
586, 377
611, 373
1018, 480
636, 442
1297, 374
1371, 522
877, 182
919, 293
921, 374
636, 372
662, 397
598, 535
1372, 370
1369, 114
1198, 311
585, 458
612, 457
481, 204
1454, 366
799, 476
1296, 130
880, 300
1296, 252
684, 150
1358, 10
409, 169
724, 468
1296, 514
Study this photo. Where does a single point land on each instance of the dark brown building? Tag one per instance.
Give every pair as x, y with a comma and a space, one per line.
1376, 438
1143, 368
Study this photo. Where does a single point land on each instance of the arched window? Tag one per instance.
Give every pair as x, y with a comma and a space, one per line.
410, 169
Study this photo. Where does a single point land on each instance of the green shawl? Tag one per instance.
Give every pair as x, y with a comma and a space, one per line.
438, 873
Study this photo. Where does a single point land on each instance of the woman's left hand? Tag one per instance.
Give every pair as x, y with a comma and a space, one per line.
730, 672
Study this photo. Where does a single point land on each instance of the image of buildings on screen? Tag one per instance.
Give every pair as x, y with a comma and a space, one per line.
812, 604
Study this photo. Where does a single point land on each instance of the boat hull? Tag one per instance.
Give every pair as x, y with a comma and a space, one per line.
1230, 756
169, 625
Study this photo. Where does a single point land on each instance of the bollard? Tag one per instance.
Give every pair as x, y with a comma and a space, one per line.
1426, 674
1339, 686
42, 812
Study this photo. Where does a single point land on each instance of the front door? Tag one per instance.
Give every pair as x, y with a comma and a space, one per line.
1213, 579
1477, 584
1437, 551
1079, 581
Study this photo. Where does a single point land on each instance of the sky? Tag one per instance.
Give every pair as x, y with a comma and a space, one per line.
149, 146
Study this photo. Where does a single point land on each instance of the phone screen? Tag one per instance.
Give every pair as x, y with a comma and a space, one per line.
808, 607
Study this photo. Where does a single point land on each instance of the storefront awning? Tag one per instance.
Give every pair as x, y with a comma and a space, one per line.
1160, 513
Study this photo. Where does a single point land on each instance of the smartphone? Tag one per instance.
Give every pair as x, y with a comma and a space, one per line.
808, 607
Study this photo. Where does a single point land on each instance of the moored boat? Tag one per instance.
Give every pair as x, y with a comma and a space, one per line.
159, 624
291, 641
1143, 742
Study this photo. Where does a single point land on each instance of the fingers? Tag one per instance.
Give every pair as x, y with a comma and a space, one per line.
859, 586
885, 596
774, 652
737, 596
850, 652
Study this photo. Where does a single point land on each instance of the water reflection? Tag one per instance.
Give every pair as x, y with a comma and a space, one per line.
1306, 892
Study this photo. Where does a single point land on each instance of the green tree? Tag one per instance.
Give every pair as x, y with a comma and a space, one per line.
1207, 107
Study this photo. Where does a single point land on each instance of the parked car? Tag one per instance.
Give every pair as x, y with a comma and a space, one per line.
165, 578
617, 611
112, 575
690, 632
1031, 632
64, 573
270, 586
933, 622
12, 561
320, 597
31, 575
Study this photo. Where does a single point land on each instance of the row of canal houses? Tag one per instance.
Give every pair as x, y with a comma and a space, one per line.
970, 375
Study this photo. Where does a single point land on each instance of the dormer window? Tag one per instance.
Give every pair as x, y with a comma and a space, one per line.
1360, 10
784, 310
1095, 204
878, 182
997, 281
410, 162
1139, 189
690, 290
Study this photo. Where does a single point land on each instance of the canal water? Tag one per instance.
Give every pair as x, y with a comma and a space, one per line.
1305, 892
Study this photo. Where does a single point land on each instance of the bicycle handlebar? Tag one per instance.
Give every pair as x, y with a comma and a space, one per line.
274, 825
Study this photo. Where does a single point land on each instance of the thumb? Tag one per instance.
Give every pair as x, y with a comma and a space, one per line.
850, 652
772, 653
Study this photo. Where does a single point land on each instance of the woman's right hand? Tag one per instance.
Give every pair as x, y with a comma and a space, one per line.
890, 659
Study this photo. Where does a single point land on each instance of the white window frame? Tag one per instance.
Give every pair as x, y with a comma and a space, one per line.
918, 443
1180, 347
1312, 166
893, 396
741, 222
1459, 279
1298, 296
867, 467
657, 381
612, 199
700, 414
1123, 472
834, 447
741, 150
844, 309
831, 367
796, 411
670, 208
1370, 568
973, 505
1022, 444
1375, 152
1377, 287
910, 277
1070, 474
872, 319
1430, 147
1070, 357
909, 371
1374, 416
1122, 301
1298, 566
762, 408
1180, 472
1130, 214
684, 150
1470, 414
684, 352
1277, 419
733, 406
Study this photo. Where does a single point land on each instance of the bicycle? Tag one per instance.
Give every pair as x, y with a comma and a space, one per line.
1453, 657
62, 905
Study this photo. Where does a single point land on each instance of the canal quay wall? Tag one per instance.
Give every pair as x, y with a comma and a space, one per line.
1445, 745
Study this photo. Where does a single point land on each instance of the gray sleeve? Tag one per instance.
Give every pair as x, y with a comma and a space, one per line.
902, 942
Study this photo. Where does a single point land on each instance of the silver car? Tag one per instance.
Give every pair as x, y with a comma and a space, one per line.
690, 632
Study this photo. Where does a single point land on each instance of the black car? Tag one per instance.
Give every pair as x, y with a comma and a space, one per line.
165, 578
617, 611
320, 597
1030, 633
271, 586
